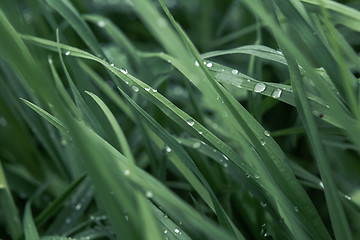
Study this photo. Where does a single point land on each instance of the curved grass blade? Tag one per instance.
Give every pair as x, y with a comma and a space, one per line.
71, 15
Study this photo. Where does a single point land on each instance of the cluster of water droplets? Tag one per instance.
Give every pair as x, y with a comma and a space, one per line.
208, 64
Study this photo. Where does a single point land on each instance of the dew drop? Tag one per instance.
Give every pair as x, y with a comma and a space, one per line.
78, 206
126, 217
256, 176
321, 184
276, 93
348, 197
190, 122
3, 122
225, 157
67, 53
234, 71
165, 231
149, 194
112, 64
50, 61
168, 149
247, 175
262, 142
147, 89
154, 90
200, 132
296, 209
259, 87
127, 172
263, 204
124, 71
126, 82
196, 145
101, 23
197, 63
67, 221
176, 230
209, 65
267, 133
135, 88
225, 165
63, 143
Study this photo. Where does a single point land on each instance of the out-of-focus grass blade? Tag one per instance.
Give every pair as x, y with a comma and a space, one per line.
340, 13
8, 208
71, 15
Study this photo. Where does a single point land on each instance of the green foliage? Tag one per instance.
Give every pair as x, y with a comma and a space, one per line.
139, 119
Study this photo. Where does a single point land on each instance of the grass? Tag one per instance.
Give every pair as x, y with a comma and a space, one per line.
179, 119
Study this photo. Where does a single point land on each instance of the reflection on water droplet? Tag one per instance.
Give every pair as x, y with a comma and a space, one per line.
262, 142
256, 176
347, 197
200, 132
50, 60
197, 63
101, 23
209, 65
296, 209
67, 53
196, 145
149, 194
321, 184
112, 64
190, 122
124, 71
259, 87
127, 172
165, 231
135, 88
276, 93
247, 175
267, 133
234, 71
147, 89
225, 165
154, 90
168, 149
263, 204
176, 230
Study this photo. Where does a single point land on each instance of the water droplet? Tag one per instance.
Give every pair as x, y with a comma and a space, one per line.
126, 217
197, 63
259, 87
196, 145
124, 71
225, 157
256, 176
127, 172
101, 23
154, 90
200, 132
176, 230
67, 53
168, 149
262, 142
279, 52
67, 221
149, 194
248, 80
321, 184
296, 209
190, 122
112, 64
234, 71
50, 60
135, 88
247, 175
78, 206
166, 216
348, 197
209, 65
276, 93
263, 204
165, 231
267, 133
225, 165
147, 89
